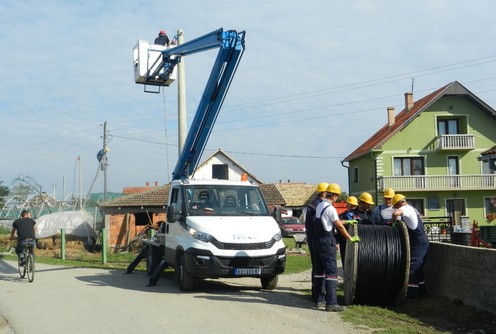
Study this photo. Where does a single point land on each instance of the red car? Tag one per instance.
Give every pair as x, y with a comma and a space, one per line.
291, 226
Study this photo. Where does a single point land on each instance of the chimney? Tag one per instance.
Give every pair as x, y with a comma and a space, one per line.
156, 183
148, 184
408, 100
390, 115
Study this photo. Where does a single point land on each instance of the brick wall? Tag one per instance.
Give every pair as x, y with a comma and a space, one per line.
122, 228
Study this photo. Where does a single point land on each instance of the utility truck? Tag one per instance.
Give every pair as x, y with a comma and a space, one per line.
215, 228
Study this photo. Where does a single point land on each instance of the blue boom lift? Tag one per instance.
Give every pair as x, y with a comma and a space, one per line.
159, 71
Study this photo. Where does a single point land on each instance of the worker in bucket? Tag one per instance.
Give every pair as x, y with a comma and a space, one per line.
419, 243
324, 242
162, 39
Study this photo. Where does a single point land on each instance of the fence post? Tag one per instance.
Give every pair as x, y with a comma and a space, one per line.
104, 246
62, 244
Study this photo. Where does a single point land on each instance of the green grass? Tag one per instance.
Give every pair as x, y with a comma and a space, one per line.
385, 321
296, 263
4, 230
89, 260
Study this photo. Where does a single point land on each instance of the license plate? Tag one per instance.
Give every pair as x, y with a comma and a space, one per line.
247, 271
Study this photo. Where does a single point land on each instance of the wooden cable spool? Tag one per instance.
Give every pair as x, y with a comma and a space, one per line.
376, 269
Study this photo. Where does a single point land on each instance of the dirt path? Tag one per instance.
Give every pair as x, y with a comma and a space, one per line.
82, 300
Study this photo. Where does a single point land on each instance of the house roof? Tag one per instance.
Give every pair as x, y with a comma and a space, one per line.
490, 151
272, 196
159, 196
135, 190
156, 197
296, 194
406, 116
220, 152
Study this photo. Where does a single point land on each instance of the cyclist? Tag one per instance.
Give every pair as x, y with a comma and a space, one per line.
24, 227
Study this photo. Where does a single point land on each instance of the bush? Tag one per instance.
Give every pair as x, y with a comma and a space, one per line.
4, 230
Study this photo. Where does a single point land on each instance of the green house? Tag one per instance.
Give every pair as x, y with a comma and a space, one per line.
431, 153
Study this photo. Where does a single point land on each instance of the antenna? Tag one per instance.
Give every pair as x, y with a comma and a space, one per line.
413, 83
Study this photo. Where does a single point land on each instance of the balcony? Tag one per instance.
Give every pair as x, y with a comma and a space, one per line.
455, 142
437, 182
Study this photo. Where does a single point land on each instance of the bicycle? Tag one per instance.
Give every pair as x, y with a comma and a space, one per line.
25, 262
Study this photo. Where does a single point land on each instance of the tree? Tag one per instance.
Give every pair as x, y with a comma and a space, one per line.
4, 192
25, 186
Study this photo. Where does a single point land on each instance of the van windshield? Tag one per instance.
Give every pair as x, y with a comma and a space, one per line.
224, 200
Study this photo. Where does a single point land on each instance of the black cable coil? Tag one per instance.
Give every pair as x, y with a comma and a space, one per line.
378, 266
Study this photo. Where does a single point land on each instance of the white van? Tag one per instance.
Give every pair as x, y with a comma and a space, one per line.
220, 228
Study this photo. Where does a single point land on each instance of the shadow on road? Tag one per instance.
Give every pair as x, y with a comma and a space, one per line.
289, 293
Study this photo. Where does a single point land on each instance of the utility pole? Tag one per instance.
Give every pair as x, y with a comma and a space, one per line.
80, 158
181, 97
104, 161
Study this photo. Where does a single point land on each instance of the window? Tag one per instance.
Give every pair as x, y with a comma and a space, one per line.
454, 170
408, 166
355, 174
177, 201
225, 200
418, 204
220, 172
142, 218
489, 166
488, 207
447, 127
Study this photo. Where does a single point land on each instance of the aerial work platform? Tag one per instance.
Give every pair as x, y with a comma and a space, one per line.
150, 67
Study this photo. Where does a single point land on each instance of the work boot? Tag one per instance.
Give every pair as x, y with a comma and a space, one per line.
319, 306
335, 308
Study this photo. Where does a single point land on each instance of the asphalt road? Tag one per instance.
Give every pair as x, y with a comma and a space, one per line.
85, 300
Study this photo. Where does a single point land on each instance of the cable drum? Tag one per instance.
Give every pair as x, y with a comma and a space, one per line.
376, 269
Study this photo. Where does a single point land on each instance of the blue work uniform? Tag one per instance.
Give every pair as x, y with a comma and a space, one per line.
419, 245
383, 214
310, 223
324, 242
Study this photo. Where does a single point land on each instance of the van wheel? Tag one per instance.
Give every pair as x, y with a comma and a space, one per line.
270, 282
184, 279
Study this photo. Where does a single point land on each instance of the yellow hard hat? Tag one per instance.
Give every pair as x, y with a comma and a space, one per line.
352, 200
367, 198
388, 193
334, 188
322, 187
397, 198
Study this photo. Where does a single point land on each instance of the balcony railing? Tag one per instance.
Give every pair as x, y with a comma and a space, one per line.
455, 142
437, 182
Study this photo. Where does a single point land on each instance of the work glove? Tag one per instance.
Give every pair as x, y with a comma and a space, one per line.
351, 222
355, 238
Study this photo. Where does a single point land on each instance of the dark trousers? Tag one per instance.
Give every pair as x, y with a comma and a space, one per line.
326, 270
416, 283
21, 243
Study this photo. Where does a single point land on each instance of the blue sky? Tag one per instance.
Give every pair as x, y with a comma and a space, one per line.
314, 83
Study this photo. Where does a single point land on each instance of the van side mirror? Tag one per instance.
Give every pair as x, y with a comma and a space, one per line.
172, 215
